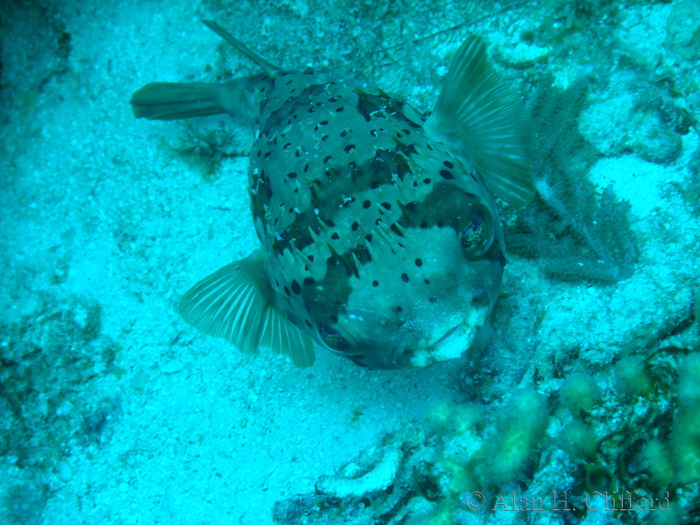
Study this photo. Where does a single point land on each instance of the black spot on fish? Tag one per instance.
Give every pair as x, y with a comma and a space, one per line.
327, 159
355, 226
404, 277
375, 283
370, 104
292, 175
448, 164
406, 149
366, 204
295, 287
286, 290
349, 148
446, 174
418, 262
331, 174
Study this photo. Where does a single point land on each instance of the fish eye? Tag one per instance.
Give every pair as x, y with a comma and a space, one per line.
477, 237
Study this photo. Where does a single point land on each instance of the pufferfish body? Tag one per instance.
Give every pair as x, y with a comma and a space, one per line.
381, 239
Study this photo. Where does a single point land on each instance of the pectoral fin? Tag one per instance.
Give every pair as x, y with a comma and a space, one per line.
479, 115
236, 304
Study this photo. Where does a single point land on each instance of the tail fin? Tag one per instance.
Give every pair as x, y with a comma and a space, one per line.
170, 100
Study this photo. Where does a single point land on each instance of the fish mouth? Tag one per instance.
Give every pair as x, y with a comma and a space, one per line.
446, 338
451, 345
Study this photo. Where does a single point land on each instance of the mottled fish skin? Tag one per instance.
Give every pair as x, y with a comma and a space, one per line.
380, 241
363, 217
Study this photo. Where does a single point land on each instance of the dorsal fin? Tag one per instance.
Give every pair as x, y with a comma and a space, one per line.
270, 69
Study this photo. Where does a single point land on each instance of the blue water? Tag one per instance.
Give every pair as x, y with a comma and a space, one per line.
581, 396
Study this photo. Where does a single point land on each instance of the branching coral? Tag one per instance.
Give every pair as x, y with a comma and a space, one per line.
573, 233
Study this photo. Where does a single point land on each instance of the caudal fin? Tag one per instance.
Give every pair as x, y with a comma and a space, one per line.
171, 100
241, 97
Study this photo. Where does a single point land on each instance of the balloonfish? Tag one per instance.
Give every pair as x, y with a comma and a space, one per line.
380, 234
